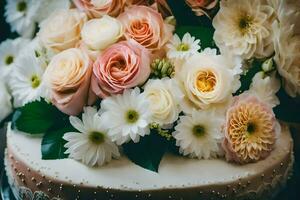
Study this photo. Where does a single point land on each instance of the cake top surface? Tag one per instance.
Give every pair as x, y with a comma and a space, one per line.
122, 174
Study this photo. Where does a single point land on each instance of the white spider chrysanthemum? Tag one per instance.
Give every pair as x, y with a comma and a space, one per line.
91, 145
9, 50
182, 49
26, 80
127, 116
199, 135
20, 15
244, 28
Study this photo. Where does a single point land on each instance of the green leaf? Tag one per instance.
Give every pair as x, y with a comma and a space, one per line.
205, 34
246, 79
37, 117
288, 109
53, 143
148, 152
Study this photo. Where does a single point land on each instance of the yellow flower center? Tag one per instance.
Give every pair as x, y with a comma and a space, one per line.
35, 81
21, 6
183, 47
9, 59
132, 116
198, 130
96, 137
245, 23
206, 81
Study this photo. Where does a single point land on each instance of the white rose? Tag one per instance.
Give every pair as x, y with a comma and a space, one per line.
164, 96
208, 79
5, 102
61, 30
265, 88
98, 34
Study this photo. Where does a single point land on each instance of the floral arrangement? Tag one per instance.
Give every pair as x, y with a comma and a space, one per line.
198, 78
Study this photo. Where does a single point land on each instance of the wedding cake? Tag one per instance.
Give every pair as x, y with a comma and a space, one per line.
149, 99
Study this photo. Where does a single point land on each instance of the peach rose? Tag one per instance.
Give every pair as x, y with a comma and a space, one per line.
61, 30
146, 26
98, 8
200, 7
68, 76
162, 5
121, 66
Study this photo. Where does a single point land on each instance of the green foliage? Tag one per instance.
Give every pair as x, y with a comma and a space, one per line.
53, 143
36, 117
148, 152
40, 117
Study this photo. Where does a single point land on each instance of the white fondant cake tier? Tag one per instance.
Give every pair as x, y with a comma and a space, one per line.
175, 172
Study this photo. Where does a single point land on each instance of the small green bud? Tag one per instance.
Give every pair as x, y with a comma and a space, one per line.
268, 65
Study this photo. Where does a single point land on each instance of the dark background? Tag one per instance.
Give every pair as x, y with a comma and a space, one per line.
292, 191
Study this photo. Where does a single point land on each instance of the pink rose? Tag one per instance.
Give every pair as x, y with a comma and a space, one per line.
162, 5
146, 26
68, 77
123, 65
200, 7
98, 8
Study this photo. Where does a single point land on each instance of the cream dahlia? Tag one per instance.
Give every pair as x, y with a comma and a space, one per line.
199, 134
127, 116
250, 130
244, 28
91, 145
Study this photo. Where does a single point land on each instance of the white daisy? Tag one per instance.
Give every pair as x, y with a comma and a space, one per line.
91, 145
182, 49
20, 15
127, 116
9, 50
199, 135
5, 102
48, 6
26, 80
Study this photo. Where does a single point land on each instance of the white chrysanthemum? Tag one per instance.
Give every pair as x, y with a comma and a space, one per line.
20, 15
92, 144
9, 50
49, 6
199, 135
265, 88
244, 28
287, 47
182, 49
26, 80
165, 97
5, 102
127, 116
